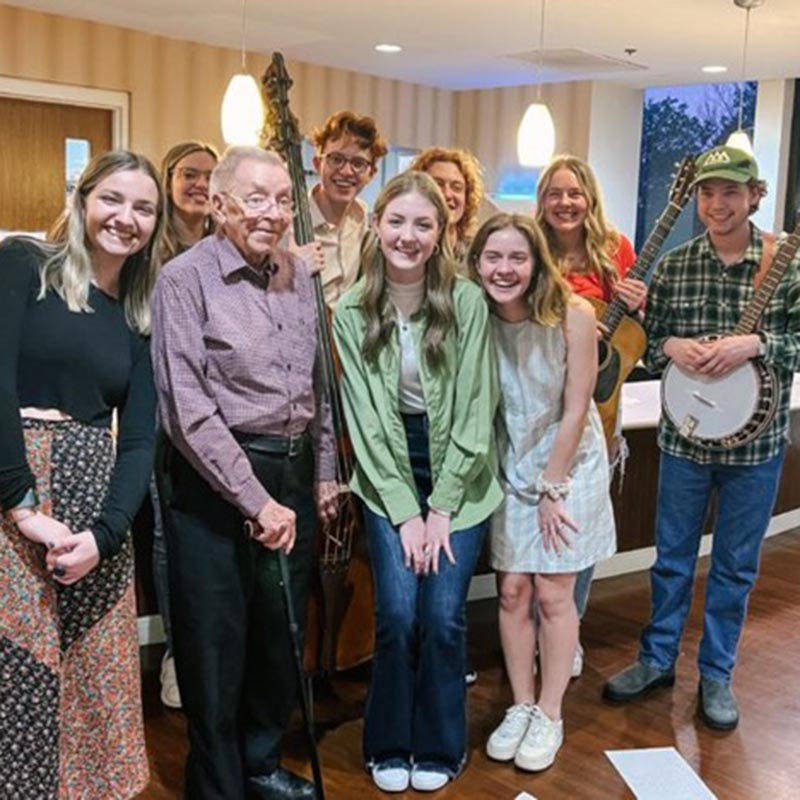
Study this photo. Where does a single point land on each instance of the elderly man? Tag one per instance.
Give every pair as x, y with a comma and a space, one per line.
699, 288
235, 358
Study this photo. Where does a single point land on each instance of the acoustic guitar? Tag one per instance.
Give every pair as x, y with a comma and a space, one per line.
726, 412
624, 340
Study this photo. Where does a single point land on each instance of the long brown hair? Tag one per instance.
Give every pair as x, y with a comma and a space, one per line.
171, 244
600, 238
548, 293
68, 269
440, 276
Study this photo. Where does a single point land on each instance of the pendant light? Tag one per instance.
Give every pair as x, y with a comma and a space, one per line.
536, 135
739, 138
242, 114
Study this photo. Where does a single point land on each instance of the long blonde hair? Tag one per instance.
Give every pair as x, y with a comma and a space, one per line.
170, 243
548, 293
68, 270
440, 276
600, 238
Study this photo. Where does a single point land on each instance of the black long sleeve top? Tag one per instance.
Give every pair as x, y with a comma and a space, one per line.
84, 364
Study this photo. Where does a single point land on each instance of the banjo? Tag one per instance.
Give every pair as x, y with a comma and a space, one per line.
722, 413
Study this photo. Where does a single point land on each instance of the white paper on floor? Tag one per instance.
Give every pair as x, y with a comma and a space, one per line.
659, 773
524, 796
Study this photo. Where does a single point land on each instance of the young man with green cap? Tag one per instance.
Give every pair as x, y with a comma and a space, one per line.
702, 287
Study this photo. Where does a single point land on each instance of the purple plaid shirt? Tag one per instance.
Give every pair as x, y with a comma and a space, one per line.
235, 349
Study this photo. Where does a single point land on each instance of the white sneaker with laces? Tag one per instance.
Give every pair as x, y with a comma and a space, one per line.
577, 662
541, 743
170, 695
428, 780
506, 737
391, 779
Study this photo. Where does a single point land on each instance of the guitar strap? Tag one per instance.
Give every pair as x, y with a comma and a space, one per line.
767, 252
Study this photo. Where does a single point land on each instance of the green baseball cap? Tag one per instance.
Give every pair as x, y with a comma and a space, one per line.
727, 164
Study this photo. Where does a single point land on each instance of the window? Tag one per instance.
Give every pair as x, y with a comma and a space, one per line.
679, 120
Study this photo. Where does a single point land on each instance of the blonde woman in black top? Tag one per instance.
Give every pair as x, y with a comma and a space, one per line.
74, 316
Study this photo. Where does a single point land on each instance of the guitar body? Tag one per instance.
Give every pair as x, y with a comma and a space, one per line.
616, 359
720, 413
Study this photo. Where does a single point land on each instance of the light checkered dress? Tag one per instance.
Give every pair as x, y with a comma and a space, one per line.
532, 366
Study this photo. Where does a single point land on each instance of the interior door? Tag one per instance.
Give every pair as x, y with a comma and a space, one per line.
35, 137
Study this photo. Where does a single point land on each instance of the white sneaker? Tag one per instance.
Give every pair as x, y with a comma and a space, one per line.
170, 695
506, 737
538, 749
577, 662
391, 779
427, 780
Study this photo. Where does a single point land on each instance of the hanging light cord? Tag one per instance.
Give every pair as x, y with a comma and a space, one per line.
539, 64
244, 28
744, 66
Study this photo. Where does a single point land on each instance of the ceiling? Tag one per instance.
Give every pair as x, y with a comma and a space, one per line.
467, 44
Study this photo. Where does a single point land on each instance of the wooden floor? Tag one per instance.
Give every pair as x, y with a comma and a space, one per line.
758, 761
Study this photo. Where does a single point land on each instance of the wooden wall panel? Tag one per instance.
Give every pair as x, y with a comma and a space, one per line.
176, 87
32, 155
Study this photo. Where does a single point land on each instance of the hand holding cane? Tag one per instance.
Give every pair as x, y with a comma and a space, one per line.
252, 530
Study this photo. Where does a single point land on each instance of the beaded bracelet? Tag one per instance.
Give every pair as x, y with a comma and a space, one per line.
555, 491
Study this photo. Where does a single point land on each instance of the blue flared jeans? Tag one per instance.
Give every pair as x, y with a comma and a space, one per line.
416, 707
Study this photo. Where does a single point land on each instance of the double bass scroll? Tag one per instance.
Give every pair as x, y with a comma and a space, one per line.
340, 630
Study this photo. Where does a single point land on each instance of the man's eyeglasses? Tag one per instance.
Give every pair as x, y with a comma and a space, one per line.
259, 203
337, 161
192, 175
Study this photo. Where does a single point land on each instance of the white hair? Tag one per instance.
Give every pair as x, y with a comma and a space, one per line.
222, 176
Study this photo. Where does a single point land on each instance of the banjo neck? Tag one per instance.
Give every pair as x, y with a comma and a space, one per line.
752, 313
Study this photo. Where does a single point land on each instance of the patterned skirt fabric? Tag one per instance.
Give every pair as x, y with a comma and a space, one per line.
70, 708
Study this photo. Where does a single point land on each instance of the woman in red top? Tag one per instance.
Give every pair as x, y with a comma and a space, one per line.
594, 257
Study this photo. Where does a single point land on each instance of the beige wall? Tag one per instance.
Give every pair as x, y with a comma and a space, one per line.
487, 122
176, 87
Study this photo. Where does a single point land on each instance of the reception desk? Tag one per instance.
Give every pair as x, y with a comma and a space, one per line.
633, 497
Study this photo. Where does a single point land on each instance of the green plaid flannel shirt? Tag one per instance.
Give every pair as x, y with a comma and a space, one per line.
693, 294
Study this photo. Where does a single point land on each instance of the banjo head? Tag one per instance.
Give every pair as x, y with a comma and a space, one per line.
707, 410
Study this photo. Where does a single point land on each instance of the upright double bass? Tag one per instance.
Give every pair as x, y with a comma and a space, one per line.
340, 631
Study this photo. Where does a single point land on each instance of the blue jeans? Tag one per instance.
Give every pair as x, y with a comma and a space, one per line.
746, 495
416, 707
160, 580
583, 583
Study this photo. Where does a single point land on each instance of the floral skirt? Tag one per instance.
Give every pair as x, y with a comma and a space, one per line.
70, 702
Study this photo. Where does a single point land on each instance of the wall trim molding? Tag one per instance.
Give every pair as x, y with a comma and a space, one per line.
151, 630
48, 92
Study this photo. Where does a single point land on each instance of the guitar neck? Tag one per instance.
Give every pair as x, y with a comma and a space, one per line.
617, 309
786, 252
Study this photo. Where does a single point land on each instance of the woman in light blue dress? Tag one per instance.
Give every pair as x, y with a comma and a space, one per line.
556, 517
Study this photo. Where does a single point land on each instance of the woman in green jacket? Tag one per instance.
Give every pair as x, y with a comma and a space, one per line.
419, 391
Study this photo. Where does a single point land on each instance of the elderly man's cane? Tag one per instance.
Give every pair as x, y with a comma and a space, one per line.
251, 528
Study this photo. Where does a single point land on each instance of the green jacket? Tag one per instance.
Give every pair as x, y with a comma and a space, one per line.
461, 398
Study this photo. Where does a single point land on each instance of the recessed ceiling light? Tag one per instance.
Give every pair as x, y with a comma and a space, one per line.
714, 69
388, 48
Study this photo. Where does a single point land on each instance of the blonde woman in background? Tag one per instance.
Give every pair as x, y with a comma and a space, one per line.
185, 172
594, 258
